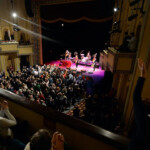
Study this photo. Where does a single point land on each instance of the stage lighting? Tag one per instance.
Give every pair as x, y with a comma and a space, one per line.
115, 9
14, 14
62, 24
132, 17
134, 2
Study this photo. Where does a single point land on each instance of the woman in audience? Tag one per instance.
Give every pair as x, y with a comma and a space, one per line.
5, 123
6, 136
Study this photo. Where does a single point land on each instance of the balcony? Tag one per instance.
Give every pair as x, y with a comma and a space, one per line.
14, 47
117, 62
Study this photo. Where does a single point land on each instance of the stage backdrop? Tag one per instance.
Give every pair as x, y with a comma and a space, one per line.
76, 27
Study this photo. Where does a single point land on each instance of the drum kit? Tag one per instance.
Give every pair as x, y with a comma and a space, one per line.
84, 59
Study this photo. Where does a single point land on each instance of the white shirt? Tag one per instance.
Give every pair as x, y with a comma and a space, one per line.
70, 76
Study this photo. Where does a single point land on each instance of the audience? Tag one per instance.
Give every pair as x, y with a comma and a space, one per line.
46, 85
102, 110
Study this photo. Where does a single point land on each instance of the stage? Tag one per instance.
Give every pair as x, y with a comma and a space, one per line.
86, 70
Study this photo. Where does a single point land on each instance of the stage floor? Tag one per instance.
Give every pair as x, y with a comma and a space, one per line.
96, 75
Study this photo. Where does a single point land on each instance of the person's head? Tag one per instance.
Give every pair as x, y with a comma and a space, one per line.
4, 105
132, 34
41, 140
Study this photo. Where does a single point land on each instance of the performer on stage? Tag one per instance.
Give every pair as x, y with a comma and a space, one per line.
66, 55
82, 55
76, 59
69, 57
88, 56
94, 61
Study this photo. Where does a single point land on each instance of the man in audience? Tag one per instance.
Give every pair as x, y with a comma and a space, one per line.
41, 140
141, 140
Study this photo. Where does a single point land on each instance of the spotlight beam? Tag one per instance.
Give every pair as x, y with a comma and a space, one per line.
32, 23
32, 33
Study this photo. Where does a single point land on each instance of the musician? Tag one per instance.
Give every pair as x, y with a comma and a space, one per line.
66, 55
69, 57
82, 55
88, 56
94, 61
76, 59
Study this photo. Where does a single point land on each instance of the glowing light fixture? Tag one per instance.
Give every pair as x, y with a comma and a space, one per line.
115, 9
14, 14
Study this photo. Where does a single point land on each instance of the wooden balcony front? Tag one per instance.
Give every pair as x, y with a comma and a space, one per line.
14, 47
116, 61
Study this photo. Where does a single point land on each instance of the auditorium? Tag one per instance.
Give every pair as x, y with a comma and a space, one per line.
74, 74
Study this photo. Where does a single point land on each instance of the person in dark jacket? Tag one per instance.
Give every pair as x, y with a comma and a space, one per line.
141, 140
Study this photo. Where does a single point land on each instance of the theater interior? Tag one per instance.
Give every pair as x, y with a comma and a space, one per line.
51, 82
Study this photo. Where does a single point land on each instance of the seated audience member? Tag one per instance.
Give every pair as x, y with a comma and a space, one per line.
76, 112
124, 47
133, 41
141, 140
41, 140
